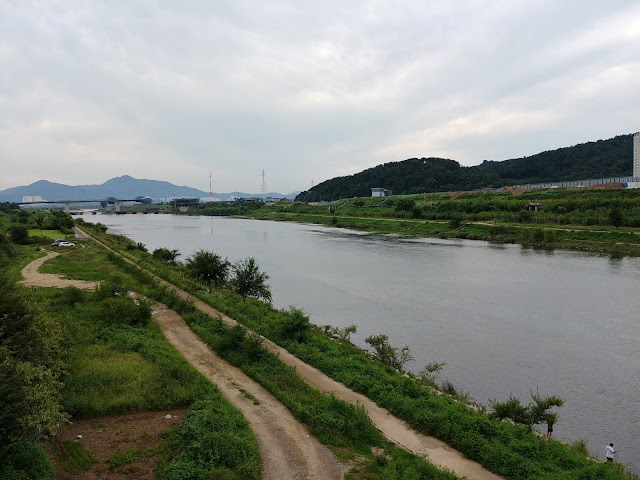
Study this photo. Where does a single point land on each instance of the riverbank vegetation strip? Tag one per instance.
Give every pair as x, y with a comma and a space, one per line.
508, 450
590, 219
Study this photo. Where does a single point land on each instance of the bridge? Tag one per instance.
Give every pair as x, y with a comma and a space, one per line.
67, 203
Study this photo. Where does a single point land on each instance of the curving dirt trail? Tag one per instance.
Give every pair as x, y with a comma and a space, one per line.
33, 278
396, 430
287, 449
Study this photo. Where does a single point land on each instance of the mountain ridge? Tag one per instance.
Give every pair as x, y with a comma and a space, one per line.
600, 159
124, 186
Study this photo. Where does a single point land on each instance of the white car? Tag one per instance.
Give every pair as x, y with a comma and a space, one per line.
62, 244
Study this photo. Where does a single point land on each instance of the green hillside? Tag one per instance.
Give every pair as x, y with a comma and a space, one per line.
604, 158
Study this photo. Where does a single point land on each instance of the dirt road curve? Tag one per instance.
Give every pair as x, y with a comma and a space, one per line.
393, 428
33, 278
287, 450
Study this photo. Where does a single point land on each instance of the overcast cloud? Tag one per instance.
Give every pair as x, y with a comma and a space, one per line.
304, 90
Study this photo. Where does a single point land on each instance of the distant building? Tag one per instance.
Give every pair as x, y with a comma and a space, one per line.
32, 198
380, 192
636, 154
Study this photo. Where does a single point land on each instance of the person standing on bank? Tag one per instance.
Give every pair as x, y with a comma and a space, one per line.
609, 452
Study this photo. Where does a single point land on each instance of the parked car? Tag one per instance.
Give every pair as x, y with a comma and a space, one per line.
62, 243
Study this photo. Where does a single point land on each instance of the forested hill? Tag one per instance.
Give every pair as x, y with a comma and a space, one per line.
604, 158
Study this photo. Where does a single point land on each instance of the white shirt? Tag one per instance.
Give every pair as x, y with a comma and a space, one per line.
610, 451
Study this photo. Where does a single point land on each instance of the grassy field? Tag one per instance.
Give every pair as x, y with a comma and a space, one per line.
117, 361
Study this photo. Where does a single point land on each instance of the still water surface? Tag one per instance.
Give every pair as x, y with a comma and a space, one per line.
505, 319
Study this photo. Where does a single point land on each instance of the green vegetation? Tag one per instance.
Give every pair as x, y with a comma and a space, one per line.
343, 426
535, 413
506, 449
208, 267
603, 220
170, 256
249, 281
73, 457
98, 353
604, 158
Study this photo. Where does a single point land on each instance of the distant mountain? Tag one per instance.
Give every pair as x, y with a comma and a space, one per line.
601, 159
119, 187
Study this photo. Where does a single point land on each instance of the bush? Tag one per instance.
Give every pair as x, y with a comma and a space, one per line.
295, 325
19, 234
385, 353
69, 296
25, 461
119, 310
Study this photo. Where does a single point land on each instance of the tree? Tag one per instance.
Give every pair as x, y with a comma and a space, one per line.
167, 255
39, 221
535, 413
30, 368
249, 281
208, 267
19, 233
405, 204
392, 356
615, 217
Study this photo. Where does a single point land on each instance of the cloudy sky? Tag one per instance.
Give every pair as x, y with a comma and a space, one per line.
305, 90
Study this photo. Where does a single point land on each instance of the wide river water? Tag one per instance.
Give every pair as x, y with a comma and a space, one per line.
505, 319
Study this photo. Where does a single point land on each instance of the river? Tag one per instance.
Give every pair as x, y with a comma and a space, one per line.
505, 319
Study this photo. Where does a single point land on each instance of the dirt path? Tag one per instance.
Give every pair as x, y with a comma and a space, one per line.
393, 428
33, 278
287, 449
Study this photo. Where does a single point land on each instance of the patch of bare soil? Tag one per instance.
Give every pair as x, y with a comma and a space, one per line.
104, 437
33, 277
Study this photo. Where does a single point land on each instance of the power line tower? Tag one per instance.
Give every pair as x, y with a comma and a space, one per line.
263, 188
210, 191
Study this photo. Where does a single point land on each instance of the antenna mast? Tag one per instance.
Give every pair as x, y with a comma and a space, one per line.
263, 188
210, 191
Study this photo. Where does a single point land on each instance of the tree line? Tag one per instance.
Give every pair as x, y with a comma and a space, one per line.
601, 159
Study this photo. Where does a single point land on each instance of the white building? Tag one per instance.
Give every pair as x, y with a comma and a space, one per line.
32, 198
380, 192
636, 154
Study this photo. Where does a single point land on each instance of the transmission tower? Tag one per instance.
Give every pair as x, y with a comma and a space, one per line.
263, 188
210, 191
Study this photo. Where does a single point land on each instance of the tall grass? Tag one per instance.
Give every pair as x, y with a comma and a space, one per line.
118, 361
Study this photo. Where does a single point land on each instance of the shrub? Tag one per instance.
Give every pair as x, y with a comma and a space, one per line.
69, 296
295, 325
24, 461
384, 352
19, 234
119, 310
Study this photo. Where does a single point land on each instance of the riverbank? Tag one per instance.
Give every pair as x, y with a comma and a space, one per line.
534, 236
386, 385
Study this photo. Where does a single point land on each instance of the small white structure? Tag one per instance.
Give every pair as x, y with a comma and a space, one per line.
380, 192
